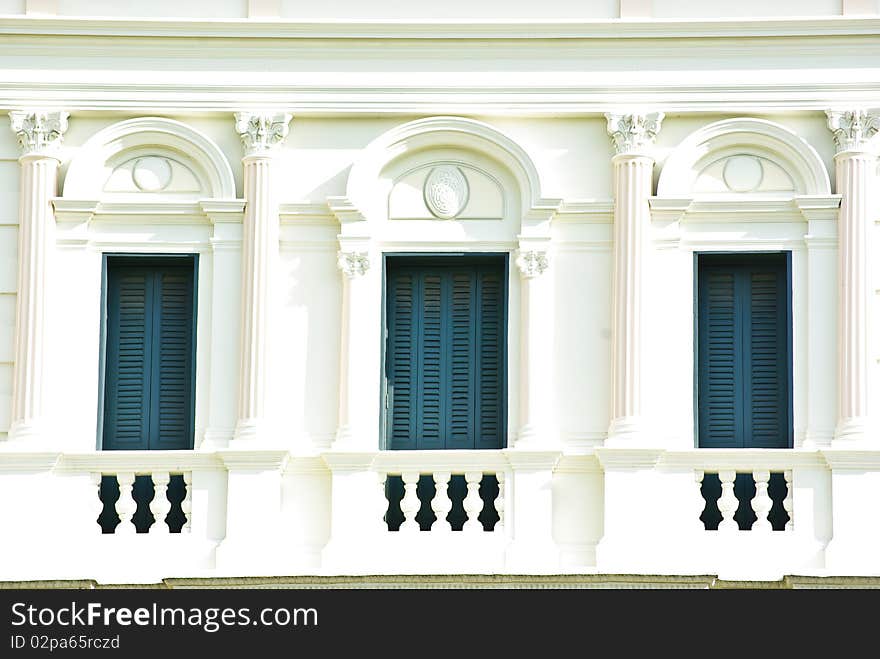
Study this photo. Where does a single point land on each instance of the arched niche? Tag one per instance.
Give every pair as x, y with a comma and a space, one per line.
149, 159
737, 157
446, 170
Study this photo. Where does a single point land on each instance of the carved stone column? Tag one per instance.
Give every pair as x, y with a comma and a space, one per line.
536, 361
261, 135
39, 136
354, 266
856, 165
632, 135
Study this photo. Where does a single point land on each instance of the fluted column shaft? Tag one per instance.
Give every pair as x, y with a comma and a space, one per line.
357, 368
536, 360
855, 166
261, 135
632, 186
854, 182
633, 169
259, 256
39, 135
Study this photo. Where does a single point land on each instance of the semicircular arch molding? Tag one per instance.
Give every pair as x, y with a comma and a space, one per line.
151, 155
367, 190
743, 155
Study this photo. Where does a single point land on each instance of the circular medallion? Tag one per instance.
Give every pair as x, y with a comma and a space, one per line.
151, 174
743, 173
446, 191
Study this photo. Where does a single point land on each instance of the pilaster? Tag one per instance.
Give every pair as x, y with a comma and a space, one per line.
855, 165
536, 337
261, 134
359, 360
39, 137
632, 135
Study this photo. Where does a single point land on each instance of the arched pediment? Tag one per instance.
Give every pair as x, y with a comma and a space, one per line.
743, 156
149, 156
444, 168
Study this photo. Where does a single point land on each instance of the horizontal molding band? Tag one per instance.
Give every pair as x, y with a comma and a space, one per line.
304, 102
528, 29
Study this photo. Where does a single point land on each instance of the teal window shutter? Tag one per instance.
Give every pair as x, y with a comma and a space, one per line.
444, 359
744, 351
148, 392
128, 366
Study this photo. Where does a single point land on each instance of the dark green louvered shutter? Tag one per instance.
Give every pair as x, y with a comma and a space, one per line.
744, 353
445, 353
127, 379
148, 394
172, 421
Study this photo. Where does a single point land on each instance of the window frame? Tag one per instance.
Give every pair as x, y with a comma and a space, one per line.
738, 257
145, 259
442, 258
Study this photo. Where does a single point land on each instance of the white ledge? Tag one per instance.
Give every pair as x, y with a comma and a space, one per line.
431, 461
138, 461
709, 459
451, 29
11, 462
853, 459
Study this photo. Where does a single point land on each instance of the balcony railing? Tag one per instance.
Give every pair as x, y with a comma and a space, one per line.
443, 491
142, 516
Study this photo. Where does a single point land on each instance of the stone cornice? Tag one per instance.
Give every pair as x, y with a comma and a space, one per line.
527, 29
745, 78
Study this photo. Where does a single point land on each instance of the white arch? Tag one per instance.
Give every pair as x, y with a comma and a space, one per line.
190, 146
443, 132
758, 136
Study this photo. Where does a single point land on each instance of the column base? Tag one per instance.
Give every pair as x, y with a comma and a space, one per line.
626, 431
531, 437
26, 432
253, 431
349, 441
853, 432
217, 438
818, 439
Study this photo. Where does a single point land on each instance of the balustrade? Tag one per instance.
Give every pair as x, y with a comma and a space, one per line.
443, 501
159, 502
756, 500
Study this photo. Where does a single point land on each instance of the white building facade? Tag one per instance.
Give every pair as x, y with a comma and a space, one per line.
414, 296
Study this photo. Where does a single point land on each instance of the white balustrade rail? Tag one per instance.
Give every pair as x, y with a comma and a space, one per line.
760, 466
160, 505
125, 467
442, 466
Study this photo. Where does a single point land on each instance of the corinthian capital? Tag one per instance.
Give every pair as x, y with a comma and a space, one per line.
532, 263
853, 129
633, 133
261, 132
38, 132
353, 264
